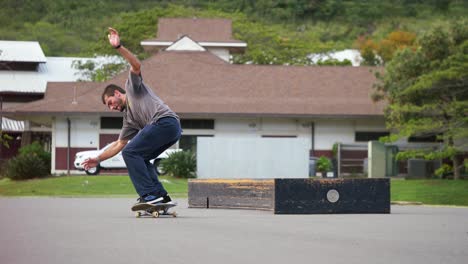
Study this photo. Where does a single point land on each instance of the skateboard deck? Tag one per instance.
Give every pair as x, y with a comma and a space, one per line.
155, 210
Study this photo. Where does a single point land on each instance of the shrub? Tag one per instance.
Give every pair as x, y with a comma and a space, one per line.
180, 164
37, 149
444, 170
32, 161
26, 166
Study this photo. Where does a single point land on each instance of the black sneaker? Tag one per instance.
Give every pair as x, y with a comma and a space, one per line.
167, 199
150, 199
153, 199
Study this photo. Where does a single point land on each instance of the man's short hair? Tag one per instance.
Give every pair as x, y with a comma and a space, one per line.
109, 91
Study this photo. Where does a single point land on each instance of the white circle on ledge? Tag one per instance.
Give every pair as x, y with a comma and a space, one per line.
333, 196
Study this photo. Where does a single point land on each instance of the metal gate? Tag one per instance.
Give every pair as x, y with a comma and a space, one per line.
351, 159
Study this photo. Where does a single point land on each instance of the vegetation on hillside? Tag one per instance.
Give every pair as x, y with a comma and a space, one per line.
277, 31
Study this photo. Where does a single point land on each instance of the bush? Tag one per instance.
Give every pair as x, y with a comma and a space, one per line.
443, 171
26, 166
31, 162
180, 164
37, 149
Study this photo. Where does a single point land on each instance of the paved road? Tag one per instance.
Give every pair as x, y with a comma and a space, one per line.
98, 230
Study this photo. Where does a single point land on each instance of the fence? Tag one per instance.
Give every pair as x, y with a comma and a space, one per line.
255, 158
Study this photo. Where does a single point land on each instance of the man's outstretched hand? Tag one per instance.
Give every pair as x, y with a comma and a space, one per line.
114, 38
90, 163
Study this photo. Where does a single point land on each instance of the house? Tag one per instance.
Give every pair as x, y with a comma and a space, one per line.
213, 35
24, 73
190, 71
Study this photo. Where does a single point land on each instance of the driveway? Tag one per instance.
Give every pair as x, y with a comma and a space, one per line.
100, 230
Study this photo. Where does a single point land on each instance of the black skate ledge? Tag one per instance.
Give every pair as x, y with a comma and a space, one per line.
293, 196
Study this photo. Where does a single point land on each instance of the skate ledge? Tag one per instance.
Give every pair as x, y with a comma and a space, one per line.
292, 196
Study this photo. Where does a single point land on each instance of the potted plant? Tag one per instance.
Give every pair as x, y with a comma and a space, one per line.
324, 165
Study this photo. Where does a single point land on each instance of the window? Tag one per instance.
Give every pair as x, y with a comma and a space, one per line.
189, 142
424, 139
19, 66
364, 136
111, 122
279, 136
197, 123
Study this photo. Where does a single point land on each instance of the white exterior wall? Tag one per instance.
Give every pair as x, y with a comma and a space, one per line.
52, 147
369, 125
242, 127
84, 132
258, 127
328, 132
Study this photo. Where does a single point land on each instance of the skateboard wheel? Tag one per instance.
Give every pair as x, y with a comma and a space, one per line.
155, 214
174, 214
138, 214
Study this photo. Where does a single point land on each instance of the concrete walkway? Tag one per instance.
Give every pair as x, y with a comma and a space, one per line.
99, 230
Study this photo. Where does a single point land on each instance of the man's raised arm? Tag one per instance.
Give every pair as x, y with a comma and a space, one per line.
114, 40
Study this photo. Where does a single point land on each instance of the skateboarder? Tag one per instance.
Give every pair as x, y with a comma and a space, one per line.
148, 122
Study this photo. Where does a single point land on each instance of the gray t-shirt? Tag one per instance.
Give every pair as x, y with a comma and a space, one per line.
143, 107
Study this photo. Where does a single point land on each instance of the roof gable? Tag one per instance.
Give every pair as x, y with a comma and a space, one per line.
185, 44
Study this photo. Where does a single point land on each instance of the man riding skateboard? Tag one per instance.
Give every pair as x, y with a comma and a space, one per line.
148, 122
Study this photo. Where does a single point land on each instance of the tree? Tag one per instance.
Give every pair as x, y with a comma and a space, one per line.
376, 53
334, 62
4, 138
427, 92
99, 72
367, 48
396, 40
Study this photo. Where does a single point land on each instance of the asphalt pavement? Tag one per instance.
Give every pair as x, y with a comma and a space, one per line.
104, 230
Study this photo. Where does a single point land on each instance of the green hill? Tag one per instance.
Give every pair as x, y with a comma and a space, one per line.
276, 31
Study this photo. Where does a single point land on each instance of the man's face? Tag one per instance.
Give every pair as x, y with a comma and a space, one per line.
115, 102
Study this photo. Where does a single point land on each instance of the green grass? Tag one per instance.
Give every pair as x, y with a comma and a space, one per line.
433, 192
85, 186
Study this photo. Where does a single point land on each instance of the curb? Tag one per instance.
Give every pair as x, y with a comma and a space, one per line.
406, 203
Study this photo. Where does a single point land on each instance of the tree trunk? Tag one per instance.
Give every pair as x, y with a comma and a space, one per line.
25, 138
455, 163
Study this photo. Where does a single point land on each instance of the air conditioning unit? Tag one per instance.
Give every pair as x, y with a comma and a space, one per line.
420, 168
416, 168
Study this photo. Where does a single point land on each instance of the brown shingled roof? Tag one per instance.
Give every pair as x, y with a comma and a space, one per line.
198, 29
199, 83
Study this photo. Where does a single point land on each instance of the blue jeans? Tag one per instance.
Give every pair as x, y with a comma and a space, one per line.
148, 144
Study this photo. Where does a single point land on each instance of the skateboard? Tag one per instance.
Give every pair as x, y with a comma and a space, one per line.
155, 210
